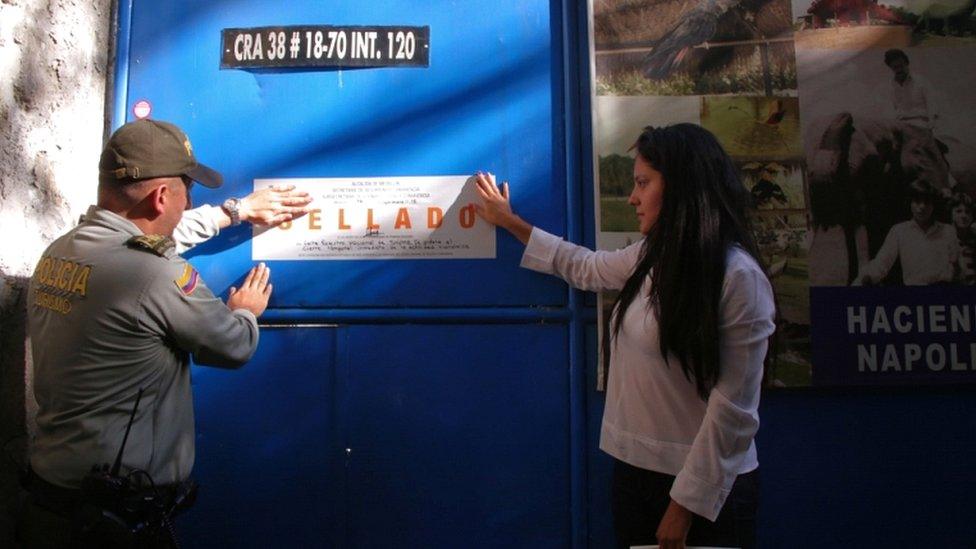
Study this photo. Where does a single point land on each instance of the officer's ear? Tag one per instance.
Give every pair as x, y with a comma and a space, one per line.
158, 199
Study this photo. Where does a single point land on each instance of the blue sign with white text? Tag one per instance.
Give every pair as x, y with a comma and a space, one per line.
895, 335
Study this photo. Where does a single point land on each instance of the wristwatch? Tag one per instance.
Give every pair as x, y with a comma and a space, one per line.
233, 208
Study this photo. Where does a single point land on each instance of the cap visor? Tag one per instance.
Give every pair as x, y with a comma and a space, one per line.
206, 176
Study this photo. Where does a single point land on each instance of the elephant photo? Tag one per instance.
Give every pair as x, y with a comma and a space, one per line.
860, 173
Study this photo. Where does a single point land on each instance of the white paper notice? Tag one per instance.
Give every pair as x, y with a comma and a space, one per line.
426, 217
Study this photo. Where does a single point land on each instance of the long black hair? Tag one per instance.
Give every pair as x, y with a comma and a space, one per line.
703, 213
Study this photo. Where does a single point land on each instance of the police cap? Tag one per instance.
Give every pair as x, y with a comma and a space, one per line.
145, 149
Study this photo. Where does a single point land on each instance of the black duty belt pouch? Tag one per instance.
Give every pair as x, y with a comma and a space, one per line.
113, 512
133, 514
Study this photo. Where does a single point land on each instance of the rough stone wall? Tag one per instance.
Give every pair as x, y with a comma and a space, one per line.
53, 71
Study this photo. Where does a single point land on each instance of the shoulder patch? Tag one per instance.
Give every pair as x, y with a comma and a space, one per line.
153, 243
187, 282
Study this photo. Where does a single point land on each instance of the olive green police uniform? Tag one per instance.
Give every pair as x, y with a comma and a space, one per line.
114, 313
111, 311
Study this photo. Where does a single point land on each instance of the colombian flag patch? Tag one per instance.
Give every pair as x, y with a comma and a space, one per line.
187, 282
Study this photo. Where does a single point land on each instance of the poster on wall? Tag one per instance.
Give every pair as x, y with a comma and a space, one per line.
853, 125
888, 120
417, 217
729, 66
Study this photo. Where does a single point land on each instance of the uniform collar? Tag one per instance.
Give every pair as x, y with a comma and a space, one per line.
106, 218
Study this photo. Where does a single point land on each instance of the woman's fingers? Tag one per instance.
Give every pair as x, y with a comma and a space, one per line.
486, 181
480, 186
488, 189
484, 187
493, 184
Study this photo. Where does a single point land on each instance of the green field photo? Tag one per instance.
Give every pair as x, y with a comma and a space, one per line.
616, 181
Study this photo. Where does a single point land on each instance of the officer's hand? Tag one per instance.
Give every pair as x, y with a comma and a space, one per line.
254, 292
273, 206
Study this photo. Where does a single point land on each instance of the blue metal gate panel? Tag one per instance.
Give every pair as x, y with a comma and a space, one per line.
268, 458
457, 436
485, 103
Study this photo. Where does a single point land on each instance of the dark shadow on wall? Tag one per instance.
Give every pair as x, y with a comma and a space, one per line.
13, 386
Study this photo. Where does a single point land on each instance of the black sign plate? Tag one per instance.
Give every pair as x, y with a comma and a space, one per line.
308, 46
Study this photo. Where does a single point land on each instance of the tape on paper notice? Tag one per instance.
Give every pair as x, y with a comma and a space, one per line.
425, 217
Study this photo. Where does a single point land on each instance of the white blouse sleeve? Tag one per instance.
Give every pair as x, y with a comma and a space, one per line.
732, 415
579, 266
197, 226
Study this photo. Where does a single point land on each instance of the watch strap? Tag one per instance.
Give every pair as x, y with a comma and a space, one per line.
233, 208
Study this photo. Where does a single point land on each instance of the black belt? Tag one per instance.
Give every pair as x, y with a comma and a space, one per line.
65, 501
60, 500
140, 517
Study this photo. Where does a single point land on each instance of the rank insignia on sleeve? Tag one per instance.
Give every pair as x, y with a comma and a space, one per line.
187, 282
154, 243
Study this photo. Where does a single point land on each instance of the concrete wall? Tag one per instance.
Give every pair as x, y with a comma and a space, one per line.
55, 63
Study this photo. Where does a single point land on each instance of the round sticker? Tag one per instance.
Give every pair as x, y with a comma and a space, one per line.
141, 109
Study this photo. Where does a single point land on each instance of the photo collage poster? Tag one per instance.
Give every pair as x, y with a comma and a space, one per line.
853, 124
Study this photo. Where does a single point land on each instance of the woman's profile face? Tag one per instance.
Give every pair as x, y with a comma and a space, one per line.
648, 194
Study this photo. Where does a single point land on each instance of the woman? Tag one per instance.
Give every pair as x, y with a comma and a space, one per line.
689, 337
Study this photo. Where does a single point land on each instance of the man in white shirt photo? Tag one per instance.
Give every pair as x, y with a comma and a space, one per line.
928, 249
911, 96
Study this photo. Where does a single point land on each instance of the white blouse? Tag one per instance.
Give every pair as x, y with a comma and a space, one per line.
654, 418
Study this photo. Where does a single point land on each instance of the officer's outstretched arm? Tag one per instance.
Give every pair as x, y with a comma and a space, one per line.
268, 207
272, 206
182, 309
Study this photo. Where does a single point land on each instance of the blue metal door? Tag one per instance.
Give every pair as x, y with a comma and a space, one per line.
426, 402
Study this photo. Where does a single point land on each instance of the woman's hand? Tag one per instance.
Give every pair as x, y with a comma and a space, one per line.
673, 530
496, 209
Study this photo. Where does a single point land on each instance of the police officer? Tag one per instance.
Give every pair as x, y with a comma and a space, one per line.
114, 311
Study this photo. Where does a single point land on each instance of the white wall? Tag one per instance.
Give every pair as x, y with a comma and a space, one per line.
53, 70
